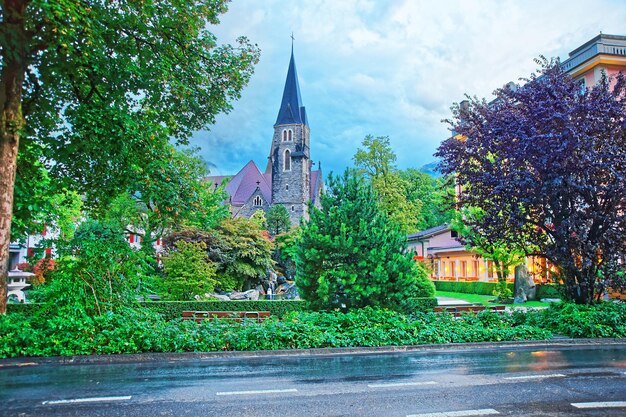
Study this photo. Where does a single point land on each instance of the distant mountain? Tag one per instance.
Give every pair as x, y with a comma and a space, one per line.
431, 169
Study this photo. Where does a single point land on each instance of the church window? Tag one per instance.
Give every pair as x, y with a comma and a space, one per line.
289, 135
258, 201
284, 135
293, 208
287, 187
287, 161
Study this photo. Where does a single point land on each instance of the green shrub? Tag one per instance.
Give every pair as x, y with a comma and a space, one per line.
473, 287
25, 309
97, 272
502, 291
143, 330
548, 291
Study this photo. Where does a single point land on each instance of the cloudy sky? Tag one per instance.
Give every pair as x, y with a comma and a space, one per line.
388, 68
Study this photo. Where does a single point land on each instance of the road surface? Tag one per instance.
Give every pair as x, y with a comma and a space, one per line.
512, 381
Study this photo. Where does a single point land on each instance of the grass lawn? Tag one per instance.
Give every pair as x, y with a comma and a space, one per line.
485, 299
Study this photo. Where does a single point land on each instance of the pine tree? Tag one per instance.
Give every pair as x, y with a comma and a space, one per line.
278, 220
351, 255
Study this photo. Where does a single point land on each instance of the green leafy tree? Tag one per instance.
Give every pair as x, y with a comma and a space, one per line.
247, 251
259, 219
240, 249
376, 158
350, 255
278, 220
285, 248
170, 195
40, 200
376, 161
431, 192
188, 272
102, 86
503, 253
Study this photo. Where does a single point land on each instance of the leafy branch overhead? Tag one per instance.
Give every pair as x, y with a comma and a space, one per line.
92, 92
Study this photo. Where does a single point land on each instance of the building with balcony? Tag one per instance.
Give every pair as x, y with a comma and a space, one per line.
603, 53
439, 247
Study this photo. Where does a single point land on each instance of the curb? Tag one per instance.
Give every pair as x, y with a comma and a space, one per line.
317, 352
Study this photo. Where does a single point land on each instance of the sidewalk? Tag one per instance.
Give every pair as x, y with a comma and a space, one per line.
447, 301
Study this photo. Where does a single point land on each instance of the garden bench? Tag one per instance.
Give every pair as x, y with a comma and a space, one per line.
238, 316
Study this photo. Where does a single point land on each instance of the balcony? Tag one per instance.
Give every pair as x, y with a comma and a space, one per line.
600, 45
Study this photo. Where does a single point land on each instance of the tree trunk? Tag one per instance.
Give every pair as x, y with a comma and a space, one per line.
14, 54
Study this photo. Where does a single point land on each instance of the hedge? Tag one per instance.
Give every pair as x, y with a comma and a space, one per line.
548, 291
471, 287
174, 309
27, 309
486, 288
423, 304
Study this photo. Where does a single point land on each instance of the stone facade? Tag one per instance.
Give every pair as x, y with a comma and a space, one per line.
291, 170
252, 205
288, 178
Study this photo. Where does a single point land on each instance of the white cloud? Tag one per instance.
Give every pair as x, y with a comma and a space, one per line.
389, 68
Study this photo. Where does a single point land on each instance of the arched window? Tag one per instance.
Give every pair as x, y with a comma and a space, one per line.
287, 161
293, 208
289, 135
258, 201
287, 187
284, 135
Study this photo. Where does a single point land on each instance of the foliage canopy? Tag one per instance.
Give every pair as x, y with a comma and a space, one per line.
92, 92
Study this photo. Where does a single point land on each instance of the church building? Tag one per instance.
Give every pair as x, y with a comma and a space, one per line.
288, 178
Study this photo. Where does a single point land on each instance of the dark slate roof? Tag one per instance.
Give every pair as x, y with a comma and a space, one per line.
244, 183
429, 232
291, 109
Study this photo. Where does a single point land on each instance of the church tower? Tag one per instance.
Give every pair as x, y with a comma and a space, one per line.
289, 156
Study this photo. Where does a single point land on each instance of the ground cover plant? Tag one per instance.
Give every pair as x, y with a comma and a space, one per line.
139, 330
135, 330
607, 319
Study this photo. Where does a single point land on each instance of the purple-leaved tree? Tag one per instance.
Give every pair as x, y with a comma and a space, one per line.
546, 164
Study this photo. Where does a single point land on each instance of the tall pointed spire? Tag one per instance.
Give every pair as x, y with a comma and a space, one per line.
291, 108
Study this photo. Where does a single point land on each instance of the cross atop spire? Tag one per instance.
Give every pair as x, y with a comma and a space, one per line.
291, 109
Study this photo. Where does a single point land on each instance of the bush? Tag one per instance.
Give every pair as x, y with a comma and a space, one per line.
27, 309
419, 304
473, 287
97, 272
548, 291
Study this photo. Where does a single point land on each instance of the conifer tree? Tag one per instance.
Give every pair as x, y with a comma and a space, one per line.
350, 255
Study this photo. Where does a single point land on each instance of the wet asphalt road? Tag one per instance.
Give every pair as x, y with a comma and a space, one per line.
518, 381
